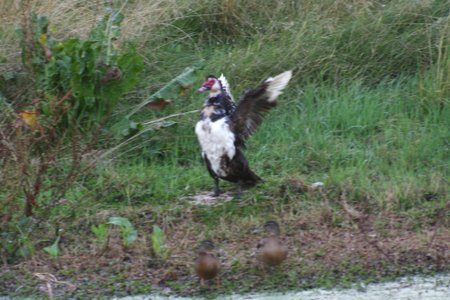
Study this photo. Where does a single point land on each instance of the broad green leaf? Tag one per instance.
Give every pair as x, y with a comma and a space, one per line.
108, 27
172, 89
129, 234
26, 249
120, 221
75, 69
53, 250
158, 242
131, 65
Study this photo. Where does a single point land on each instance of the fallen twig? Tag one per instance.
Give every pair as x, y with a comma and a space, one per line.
50, 279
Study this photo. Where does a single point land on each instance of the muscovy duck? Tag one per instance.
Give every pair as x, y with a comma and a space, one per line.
224, 126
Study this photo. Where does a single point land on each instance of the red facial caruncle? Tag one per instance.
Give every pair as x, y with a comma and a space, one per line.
207, 84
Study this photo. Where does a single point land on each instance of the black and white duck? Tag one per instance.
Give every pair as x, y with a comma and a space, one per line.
224, 127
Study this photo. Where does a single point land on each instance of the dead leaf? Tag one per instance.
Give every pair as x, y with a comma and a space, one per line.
184, 90
159, 104
352, 212
43, 42
30, 117
169, 275
112, 74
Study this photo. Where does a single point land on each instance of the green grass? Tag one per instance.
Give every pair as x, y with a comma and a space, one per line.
375, 144
364, 137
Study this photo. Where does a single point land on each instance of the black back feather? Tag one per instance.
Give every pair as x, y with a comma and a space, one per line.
249, 113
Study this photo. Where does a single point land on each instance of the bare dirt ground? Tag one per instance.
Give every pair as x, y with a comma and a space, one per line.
320, 254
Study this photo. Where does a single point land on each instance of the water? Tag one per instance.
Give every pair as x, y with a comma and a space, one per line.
407, 288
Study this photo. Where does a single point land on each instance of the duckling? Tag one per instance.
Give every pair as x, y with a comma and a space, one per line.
270, 250
206, 265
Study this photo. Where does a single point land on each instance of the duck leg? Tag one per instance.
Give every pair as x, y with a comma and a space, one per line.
216, 192
240, 190
217, 282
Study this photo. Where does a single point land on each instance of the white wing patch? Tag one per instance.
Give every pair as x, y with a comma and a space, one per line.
277, 84
226, 86
216, 140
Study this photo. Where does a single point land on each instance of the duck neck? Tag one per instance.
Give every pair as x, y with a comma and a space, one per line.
213, 94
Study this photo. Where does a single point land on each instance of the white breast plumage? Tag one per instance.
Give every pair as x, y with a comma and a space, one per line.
216, 140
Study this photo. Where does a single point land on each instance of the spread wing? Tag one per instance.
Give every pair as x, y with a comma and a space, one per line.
226, 86
249, 112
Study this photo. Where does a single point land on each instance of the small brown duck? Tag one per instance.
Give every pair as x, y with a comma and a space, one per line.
206, 265
270, 250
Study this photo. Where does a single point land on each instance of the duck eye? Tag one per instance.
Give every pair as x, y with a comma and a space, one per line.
209, 83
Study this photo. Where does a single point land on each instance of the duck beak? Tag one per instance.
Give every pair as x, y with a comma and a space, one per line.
202, 89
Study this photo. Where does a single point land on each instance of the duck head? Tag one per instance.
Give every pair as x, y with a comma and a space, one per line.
211, 84
272, 227
205, 246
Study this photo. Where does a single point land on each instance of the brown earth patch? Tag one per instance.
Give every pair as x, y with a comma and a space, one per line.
356, 247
